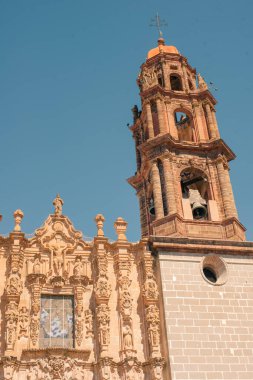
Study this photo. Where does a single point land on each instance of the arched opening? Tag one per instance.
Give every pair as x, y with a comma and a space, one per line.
162, 181
160, 80
185, 127
176, 83
155, 117
195, 193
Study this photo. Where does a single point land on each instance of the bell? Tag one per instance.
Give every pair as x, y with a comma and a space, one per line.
199, 211
151, 207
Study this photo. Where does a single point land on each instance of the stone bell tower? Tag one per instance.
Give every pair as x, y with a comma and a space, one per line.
182, 179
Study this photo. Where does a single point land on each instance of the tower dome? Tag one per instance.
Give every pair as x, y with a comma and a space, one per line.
162, 48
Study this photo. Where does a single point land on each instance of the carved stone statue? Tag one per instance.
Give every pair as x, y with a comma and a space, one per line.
14, 284
37, 265
154, 334
127, 338
58, 203
78, 267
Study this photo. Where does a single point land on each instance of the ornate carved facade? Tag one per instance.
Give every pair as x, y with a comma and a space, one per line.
71, 307
178, 304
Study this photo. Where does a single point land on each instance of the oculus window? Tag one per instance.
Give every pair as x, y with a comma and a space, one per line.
57, 321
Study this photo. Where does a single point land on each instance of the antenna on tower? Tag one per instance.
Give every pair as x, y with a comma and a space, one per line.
158, 23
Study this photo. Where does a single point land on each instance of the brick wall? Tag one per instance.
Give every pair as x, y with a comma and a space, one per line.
209, 328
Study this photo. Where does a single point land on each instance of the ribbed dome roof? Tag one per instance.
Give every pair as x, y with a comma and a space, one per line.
162, 48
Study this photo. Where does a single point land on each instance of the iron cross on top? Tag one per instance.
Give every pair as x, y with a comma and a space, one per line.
158, 23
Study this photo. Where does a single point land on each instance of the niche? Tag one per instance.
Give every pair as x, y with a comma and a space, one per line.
195, 194
176, 83
185, 129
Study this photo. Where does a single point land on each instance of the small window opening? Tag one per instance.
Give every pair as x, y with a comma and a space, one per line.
184, 127
175, 83
210, 274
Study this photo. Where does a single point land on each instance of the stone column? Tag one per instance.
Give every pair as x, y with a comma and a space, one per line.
226, 189
186, 84
199, 128
215, 123
143, 212
149, 121
169, 185
171, 120
211, 126
157, 192
160, 113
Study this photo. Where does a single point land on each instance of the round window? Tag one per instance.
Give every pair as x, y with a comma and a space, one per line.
214, 270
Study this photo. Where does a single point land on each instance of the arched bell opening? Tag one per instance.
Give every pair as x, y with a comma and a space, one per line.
185, 126
195, 194
155, 117
163, 188
176, 82
160, 80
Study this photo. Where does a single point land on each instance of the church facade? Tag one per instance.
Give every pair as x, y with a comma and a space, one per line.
178, 304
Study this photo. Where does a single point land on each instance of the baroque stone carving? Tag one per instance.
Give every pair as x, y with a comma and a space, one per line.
55, 367
153, 320
58, 203
103, 318
23, 322
11, 316
14, 284
103, 288
150, 290
88, 324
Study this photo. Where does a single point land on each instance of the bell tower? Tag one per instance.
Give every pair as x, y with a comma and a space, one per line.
182, 179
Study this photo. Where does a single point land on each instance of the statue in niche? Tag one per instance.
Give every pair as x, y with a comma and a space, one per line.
154, 335
37, 265
78, 267
127, 338
57, 249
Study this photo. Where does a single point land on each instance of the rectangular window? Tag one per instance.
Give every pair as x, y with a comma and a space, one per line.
57, 321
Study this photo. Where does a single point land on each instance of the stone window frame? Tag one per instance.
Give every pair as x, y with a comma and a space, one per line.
218, 265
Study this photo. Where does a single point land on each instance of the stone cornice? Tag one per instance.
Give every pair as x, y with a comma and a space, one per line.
212, 146
191, 96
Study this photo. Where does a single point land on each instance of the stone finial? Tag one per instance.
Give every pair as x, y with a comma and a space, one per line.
202, 83
100, 223
58, 203
18, 216
120, 226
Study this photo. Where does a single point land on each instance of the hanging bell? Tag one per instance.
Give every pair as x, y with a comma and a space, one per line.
199, 211
152, 207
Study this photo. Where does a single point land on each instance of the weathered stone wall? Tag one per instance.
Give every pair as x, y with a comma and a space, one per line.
209, 327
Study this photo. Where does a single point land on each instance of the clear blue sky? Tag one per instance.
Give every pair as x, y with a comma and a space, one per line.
67, 85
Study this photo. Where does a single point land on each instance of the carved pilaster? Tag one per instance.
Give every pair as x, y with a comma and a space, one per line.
11, 318
125, 300
35, 283
79, 315
151, 303
102, 289
14, 284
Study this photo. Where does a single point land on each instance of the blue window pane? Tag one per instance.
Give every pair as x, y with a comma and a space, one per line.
56, 321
